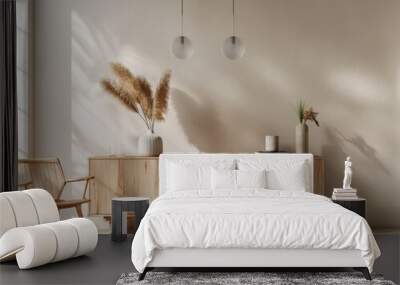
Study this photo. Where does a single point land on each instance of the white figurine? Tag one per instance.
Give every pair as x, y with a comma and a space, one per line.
348, 173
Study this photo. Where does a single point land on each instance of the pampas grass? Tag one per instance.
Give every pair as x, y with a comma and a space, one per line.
136, 94
120, 94
161, 97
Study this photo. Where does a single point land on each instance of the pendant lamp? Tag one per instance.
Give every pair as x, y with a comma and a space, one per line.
182, 46
233, 47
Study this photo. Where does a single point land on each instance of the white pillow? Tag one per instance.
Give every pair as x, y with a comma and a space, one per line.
293, 179
290, 175
188, 177
223, 179
237, 179
189, 174
251, 178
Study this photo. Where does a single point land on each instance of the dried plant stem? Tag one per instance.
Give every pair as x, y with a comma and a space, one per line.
145, 119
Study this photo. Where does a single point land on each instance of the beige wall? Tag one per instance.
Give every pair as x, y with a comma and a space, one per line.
341, 56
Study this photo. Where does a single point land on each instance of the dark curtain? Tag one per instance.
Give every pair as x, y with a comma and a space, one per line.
8, 99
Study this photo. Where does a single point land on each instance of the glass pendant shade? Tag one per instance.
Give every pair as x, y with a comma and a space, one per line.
182, 47
233, 48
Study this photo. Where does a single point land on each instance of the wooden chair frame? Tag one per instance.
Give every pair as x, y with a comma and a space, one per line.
61, 204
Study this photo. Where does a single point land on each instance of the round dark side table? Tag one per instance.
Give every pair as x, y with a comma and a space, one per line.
120, 208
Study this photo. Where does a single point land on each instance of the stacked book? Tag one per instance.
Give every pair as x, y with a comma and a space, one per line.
344, 194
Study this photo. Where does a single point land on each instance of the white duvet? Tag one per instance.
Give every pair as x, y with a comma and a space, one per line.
250, 219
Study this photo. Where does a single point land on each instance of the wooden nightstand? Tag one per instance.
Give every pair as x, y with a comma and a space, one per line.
358, 205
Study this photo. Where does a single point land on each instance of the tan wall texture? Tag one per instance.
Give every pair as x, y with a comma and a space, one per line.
343, 57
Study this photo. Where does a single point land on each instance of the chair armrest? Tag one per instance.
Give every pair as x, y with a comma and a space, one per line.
25, 184
76, 179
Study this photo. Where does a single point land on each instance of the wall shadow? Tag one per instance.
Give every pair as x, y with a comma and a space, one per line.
199, 120
364, 148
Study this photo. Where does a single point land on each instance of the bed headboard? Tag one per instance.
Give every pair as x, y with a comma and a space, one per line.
166, 158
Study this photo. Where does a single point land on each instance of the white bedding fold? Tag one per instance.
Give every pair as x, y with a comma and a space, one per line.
250, 218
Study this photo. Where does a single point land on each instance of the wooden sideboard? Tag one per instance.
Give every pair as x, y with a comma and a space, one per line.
119, 176
319, 175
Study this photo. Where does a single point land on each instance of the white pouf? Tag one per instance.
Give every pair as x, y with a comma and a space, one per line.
31, 232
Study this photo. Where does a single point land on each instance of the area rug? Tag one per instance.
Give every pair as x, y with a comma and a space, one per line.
269, 278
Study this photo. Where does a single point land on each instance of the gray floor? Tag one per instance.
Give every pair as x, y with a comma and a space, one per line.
103, 266
389, 262
110, 260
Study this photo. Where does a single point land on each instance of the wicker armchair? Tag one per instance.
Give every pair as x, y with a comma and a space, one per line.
48, 174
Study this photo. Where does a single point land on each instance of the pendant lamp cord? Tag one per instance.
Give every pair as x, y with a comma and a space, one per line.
233, 17
181, 17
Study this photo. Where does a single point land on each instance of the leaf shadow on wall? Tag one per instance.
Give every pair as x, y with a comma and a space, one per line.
335, 149
199, 120
364, 148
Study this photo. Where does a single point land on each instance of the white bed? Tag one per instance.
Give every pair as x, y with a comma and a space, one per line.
206, 226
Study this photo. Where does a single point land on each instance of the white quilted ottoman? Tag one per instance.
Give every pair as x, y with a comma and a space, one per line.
31, 232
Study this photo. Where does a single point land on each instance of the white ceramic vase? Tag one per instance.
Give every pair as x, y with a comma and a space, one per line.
302, 138
150, 145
